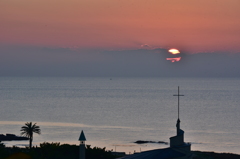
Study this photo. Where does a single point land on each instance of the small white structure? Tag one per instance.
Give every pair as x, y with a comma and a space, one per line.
82, 140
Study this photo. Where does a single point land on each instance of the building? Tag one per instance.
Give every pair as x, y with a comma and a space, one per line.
178, 148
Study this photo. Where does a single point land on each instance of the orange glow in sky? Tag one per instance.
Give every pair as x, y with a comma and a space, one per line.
195, 25
174, 51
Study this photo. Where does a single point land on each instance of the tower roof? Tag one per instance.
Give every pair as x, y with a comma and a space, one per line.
82, 137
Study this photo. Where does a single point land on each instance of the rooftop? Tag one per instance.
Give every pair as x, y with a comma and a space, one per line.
166, 153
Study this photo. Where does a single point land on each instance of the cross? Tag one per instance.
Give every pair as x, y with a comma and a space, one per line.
178, 100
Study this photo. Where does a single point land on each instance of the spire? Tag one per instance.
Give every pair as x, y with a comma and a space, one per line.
82, 137
177, 142
82, 148
179, 131
178, 101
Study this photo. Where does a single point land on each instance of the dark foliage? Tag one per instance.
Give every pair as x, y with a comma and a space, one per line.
3, 152
98, 153
56, 151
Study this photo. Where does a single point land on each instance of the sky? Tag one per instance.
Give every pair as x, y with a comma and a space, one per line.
119, 37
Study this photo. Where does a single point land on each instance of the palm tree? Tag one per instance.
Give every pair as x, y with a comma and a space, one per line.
28, 131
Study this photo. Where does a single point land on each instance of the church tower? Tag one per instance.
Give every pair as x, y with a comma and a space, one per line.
82, 140
177, 142
178, 148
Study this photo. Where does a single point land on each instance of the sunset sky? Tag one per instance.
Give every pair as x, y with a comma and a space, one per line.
190, 25
206, 25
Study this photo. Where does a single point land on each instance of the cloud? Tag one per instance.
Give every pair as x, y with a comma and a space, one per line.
35, 61
145, 46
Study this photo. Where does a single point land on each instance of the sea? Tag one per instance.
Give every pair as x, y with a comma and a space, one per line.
115, 112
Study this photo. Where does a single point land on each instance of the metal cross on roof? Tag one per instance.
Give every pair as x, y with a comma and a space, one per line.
178, 100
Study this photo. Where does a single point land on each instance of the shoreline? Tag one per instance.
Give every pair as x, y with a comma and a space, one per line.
147, 145
23, 146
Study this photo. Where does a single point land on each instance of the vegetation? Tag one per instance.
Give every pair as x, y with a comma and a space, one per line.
65, 151
50, 150
2, 150
28, 131
56, 151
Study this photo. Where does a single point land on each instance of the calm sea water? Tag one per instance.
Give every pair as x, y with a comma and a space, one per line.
116, 112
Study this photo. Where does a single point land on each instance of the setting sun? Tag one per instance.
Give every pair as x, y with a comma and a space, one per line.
174, 51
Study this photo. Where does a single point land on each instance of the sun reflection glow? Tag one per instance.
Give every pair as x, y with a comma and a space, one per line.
174, 59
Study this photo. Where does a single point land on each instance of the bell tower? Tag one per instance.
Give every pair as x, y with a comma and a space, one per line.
178, 140
82, 147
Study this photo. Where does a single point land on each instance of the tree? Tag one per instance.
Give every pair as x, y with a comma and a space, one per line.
28, 131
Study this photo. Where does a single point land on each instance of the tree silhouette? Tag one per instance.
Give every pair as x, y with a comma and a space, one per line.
28, 131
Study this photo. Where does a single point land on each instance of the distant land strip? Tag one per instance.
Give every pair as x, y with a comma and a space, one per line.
152, 142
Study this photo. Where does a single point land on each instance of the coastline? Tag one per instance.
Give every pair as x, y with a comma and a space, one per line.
57, 148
